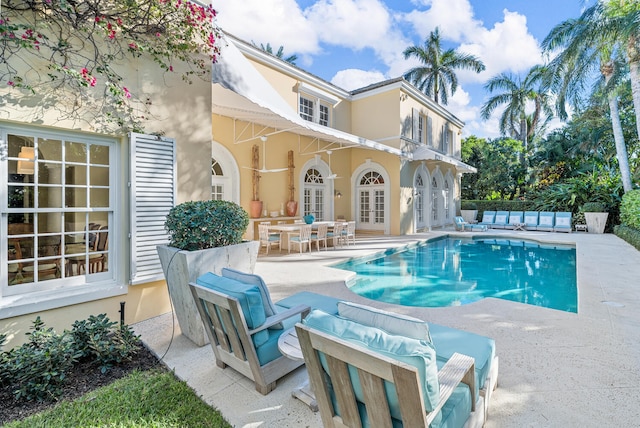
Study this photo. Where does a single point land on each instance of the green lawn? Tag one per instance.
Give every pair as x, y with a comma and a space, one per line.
154, 398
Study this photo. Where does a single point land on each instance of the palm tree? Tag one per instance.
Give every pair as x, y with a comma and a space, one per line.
291, 59
436, 77
589, 44
517, 94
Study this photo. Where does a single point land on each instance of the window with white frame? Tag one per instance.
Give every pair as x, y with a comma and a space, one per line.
217, 180
315, 108
57, 206
306, 109
429, 131
421, 129
324, 115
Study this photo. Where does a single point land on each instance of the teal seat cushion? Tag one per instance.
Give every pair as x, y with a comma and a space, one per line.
417, 353
448, 341
268, 351
313, 300
248, 296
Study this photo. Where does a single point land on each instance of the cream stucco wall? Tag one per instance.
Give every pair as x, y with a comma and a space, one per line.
176, 110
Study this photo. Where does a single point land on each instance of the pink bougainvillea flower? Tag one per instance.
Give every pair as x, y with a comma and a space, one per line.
10, 83
126, 92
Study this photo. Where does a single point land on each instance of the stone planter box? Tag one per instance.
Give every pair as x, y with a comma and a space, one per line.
596, 222
182, 267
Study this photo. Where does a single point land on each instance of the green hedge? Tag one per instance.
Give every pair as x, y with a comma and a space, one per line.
629, 234
630, 209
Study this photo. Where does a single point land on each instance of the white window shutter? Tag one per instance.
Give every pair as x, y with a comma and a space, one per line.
414, 124
152, 195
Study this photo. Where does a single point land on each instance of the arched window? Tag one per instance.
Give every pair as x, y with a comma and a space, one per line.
371, 178
217, 180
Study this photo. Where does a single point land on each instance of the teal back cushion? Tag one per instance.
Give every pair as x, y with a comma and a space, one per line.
248, 296
417, 353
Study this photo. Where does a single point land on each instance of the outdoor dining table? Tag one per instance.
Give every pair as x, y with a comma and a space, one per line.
290, 228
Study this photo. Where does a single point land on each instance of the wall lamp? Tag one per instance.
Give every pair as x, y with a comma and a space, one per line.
337, 194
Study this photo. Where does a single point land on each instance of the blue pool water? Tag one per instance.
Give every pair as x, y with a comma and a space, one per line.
457, 271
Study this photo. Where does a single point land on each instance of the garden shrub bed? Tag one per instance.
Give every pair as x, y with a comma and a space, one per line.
629, 234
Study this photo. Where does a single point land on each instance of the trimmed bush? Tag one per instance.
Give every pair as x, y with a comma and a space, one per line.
629, 234
593, 207
198, 225
630, 209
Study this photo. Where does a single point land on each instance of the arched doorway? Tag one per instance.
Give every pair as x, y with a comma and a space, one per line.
421, 198
438, 216
316, 189
371, 201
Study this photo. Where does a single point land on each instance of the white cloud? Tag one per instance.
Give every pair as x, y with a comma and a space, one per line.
352, 78
277, 22
454, 18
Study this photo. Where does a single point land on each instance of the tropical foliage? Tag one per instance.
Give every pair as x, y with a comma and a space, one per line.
64, 55
437, 77
279, 54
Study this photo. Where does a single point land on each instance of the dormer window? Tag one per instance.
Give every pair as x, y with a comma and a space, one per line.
315, 105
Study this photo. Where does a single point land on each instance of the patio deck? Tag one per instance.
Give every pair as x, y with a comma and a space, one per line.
556, 368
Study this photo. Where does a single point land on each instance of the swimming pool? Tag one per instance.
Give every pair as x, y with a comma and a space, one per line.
456, 271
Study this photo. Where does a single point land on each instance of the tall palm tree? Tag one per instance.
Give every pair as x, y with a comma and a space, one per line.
436, 77
517, 94
589, 44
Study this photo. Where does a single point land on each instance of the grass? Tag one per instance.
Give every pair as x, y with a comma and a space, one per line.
154, 399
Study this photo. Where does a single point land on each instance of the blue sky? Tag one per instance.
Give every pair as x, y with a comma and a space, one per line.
353, 43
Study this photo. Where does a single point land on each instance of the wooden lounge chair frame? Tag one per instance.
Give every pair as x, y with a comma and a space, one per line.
373, 370
231, 341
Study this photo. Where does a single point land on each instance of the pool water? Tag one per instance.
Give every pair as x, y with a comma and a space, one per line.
457, 271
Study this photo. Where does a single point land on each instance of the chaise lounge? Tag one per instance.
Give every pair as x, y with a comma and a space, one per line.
463, 226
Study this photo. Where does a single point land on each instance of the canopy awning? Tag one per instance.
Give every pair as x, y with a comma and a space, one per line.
427, 153
241, 92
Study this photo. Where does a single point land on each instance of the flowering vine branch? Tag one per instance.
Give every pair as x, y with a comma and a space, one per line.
68, 53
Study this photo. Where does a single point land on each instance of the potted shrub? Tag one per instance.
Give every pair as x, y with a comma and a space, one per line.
204, 236
595, 214
469, 211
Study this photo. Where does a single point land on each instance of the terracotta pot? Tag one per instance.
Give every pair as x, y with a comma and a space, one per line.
255, 209
292, 208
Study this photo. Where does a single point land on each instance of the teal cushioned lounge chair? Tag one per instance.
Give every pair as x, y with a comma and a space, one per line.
563, 222
501, 221
546, 221
488, 218
531, 220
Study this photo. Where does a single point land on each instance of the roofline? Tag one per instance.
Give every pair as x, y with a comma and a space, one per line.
261, 56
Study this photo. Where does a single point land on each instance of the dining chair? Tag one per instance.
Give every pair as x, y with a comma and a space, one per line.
320, 235
268, 239
301, 238
350, 232
336, 234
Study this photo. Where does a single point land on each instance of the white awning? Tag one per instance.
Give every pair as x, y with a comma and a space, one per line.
426, 153
241, 92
